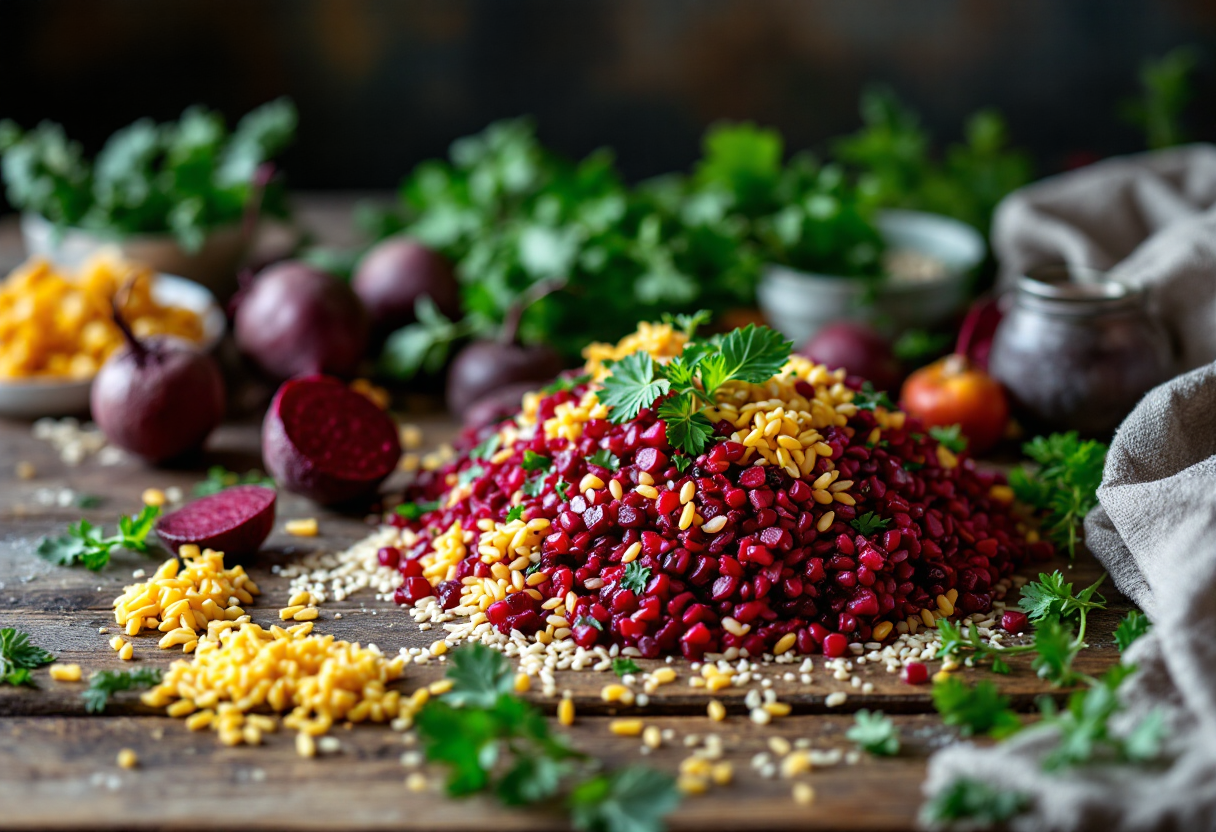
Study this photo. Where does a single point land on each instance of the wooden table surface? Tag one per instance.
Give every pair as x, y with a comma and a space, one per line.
57, 764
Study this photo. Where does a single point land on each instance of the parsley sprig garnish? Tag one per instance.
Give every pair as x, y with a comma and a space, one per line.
1050, 603
636, 577
975, 710
689, 381
413, 511
622, 666
106, 682
18, 657
875, 733
493, 741
972, 800
869, 524
1133, 625
950, 437
1065, 486
85, 545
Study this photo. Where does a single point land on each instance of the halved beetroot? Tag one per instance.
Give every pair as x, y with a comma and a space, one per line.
327, 442
235, 521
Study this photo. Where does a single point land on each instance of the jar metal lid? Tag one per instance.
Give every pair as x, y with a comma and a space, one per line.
1077, 290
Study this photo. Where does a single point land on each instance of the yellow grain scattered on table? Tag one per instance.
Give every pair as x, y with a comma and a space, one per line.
304, 527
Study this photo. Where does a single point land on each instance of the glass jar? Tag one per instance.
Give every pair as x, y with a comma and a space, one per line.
1077, 351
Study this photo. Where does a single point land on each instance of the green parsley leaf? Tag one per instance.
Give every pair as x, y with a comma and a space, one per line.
632, 386
87, 501
688, 324
975, 710
563, 383
687, 427
1133, 625
632, 799
966, 799
622, 666
875, 733
867, 398
869, 524
479, 676
950, 437
532, 568
413, 511
469, 474
535, 462
682, 462
536, 486
605, 459
515, 513
1083, 727
753, 354
563, 490
636, 576
487, 448
220, 478
106, 682
85, 545
1065, 486
1050, 596
588, 621
18, 657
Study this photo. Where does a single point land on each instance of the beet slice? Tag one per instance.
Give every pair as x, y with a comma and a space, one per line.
327, 442
235, 521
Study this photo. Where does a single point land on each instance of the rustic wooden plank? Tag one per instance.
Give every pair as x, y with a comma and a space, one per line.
64, 608
60, 773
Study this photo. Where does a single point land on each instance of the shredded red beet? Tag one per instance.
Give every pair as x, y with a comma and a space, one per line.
934, 527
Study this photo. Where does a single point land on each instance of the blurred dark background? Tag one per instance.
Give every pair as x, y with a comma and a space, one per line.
383, 85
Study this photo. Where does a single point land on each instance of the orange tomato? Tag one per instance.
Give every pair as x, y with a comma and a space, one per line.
952, 391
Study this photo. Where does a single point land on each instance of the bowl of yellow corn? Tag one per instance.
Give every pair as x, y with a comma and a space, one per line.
57, 329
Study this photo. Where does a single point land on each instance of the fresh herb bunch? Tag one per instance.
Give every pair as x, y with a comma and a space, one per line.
1133, 625
1065, 484
106, 682
18, 657
968, 799
185, 178
875, 733
1050, 603
220, 478
493, 741
84, 545
892, 154
1166, 88
688, 382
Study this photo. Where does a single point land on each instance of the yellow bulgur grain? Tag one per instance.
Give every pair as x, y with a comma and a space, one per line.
65, 672
304, 527
127, 758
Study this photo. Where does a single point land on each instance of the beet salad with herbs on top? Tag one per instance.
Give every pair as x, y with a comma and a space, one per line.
692, 495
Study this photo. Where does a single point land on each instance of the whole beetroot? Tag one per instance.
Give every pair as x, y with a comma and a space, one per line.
395, 273
486, 366
296, 319
327, 442
157, 398
859, 349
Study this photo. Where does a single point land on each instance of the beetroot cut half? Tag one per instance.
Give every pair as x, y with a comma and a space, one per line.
235, 521
327, 442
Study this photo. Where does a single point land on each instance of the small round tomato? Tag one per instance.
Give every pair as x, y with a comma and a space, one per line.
952, 391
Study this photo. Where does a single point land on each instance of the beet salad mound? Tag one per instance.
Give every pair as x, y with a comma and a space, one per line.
697, 495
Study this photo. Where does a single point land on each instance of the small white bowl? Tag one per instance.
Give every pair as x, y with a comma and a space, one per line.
44, 396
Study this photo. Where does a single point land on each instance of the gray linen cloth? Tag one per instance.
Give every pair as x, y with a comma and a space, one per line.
1154, 224
1149, 219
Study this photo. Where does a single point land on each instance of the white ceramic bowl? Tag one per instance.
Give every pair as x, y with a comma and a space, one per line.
800, 303
37, 397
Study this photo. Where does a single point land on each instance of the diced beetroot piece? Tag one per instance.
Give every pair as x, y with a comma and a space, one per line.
1015, 621
835, 645
914, 673
413, 590
234, 521
327, 442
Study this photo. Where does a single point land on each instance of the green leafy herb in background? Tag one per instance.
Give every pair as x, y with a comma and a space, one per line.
84, 544
1133, 625
1166, 89
1065, 484
968, 799
492, 741
219, 478
950, 437
1083, 726
18, 657
184, 178
106, 682
875, 733
413, 511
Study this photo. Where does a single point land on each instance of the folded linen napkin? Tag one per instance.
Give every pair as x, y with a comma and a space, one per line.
1151, 219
